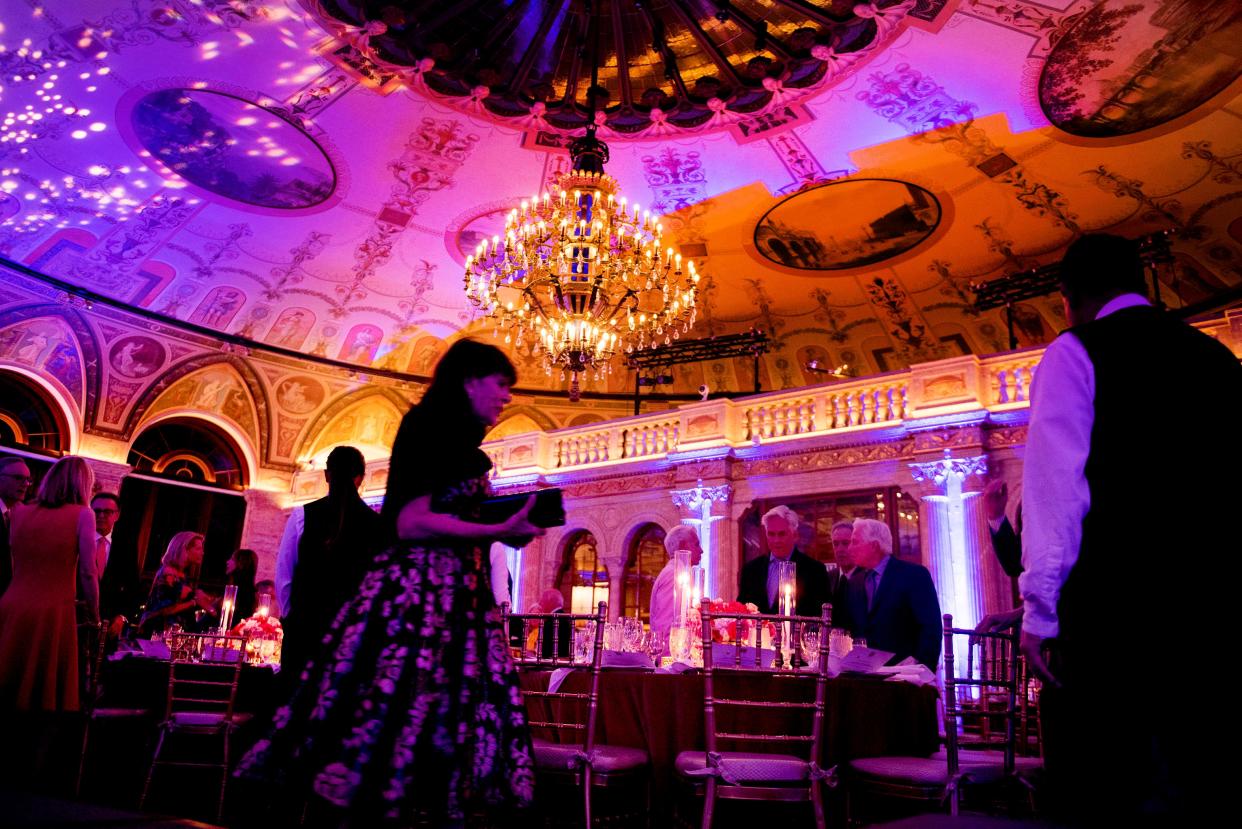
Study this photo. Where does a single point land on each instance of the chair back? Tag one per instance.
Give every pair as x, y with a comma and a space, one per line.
563, 711
203, 674
92, 646
739, 663
980, 692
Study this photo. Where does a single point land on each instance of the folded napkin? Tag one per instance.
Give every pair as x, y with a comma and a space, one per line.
862, 660
558, 676
624, 659
908, 670
154, 650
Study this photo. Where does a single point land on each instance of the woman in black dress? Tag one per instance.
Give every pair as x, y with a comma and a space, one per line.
412, 711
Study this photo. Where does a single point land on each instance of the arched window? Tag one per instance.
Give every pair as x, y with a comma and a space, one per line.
28, 420
188, 475
583, 578
643, 562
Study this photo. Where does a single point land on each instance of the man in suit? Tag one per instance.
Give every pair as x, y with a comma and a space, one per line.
1103, 469
118, 581
839, 576
559, 637
324, 553
14, 482
893, 603
761, 576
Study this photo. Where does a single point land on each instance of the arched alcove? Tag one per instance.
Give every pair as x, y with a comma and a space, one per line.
31, 418
583, 576
644, 558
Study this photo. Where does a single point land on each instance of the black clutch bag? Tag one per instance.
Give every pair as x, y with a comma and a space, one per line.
548, 511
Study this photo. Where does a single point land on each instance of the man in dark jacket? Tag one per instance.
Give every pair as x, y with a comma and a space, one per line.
760, 580
893, 603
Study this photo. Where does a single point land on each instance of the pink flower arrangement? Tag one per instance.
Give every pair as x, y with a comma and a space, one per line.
726, 630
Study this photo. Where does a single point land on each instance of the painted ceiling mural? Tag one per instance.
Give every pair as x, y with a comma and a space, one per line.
840, 173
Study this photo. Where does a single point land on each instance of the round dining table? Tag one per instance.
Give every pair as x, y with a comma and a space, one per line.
662, 713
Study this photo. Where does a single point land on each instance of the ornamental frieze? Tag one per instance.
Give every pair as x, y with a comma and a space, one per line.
935, 441
830, 458
1006, 436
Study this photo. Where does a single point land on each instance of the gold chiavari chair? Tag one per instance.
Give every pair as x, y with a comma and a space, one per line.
729, 685
203, 674
981, 722
572, 756
93, 645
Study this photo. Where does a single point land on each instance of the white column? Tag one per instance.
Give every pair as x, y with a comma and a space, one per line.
953, 535
697, 505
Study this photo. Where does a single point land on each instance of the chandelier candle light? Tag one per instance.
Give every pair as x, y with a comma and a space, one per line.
582, 273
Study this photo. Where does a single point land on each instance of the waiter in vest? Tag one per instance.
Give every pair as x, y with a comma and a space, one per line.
324, 553
1134, 416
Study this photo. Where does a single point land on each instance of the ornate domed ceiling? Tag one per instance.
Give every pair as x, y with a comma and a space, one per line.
309, 176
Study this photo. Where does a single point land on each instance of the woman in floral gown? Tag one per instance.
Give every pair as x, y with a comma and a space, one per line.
411, 710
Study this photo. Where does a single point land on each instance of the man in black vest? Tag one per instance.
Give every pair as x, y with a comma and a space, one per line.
1133, 418
324, 554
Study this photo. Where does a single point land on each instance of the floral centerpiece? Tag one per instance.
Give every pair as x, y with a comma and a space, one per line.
727, 631
263, 638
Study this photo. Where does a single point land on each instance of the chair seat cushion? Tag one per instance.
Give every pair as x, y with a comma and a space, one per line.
205, 719
605, 758
119, 713
975, 766
746, 767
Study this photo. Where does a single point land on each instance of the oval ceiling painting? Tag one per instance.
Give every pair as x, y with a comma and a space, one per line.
847, 224
1126, 66
233, 148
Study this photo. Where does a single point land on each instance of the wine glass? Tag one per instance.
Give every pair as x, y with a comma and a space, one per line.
810, 646
655, 643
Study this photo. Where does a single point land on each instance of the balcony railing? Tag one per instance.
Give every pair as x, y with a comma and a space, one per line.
997, 383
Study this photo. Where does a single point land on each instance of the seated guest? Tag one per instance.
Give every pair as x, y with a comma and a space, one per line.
892, 603
269, 587
839, 578
551, 601
761, 576
175, 596
240, 570
663, 611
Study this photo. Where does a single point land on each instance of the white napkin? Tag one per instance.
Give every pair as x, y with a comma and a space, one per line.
907, 670
863, 660
558, 676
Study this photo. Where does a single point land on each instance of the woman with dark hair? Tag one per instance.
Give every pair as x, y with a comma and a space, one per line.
241, 569
410, 710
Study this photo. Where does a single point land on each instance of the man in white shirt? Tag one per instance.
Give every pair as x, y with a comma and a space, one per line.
1124, 380
662, 611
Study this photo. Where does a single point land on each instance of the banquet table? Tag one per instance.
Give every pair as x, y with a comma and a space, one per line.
662, 713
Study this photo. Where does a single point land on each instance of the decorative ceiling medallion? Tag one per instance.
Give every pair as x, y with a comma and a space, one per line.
847, 224
666, 66
1127, 67
227, 146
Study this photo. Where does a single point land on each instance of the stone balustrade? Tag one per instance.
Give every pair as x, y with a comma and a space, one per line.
952, 386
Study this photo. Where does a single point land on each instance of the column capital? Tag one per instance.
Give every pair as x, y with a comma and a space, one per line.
695, 498
940, 472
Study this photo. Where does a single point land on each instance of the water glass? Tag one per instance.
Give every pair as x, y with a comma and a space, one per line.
839, 643
584, 643
613, 636
631, 634
679, 644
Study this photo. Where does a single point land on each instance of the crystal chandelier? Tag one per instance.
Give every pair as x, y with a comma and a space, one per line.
581, 273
